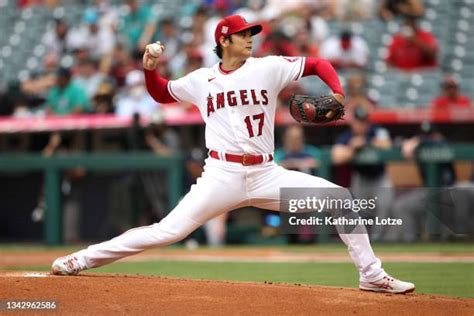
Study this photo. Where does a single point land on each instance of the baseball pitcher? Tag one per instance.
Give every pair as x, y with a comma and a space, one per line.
237, 99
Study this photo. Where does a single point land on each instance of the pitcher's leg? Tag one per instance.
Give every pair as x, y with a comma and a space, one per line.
360, 250
267, 195
173, 228
198, 206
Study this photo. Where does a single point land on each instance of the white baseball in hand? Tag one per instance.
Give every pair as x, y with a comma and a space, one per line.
155, 49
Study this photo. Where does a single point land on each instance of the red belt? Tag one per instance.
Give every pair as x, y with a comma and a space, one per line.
246, 160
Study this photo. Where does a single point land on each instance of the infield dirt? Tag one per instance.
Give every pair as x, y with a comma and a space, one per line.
129, 294
94, 293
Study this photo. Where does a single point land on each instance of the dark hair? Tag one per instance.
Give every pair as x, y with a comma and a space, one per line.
58, 21
346, 35
87, 61
64, 72
167, 21
218, 49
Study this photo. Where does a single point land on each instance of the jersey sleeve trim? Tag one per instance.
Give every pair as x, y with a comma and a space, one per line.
301, 69
170, 90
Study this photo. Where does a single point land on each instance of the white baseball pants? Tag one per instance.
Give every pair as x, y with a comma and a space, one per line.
225, 186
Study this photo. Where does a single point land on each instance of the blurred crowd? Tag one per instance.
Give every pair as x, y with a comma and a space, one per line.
93, 66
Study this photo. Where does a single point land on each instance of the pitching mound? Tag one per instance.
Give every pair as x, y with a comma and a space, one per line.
105, 293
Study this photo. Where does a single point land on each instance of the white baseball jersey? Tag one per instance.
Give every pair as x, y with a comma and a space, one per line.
239, 107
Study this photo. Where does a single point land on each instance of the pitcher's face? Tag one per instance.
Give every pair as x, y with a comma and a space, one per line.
241, 45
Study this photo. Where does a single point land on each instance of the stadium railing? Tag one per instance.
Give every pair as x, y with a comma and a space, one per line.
52, 167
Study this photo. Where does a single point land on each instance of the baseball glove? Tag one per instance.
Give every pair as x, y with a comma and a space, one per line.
310, 109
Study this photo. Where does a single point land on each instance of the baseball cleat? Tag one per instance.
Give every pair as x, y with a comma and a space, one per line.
387, 284
67, 265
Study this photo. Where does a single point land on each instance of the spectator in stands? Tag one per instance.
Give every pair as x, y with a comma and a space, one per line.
356, 94
137, 26
251, 11
451, 97
109, 15
304, 23
324, 7
412, 206
295, 154
368, 181
80, 54
168, 34
277, 43
194, 61
163, 68
21, 4
97, 39
102, 101
215, 14
66, 97
163, 141
304, 43
317, 25
123, 63
58, 40
354, 10
51, 4
135, 99
345, 51
160, 138
199, 22
14, 102
389, 9
108, 21
189, 53
428, 135
412, 48
38, 85
87, 75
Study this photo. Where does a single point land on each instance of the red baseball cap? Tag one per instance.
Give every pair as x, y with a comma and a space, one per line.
233, 24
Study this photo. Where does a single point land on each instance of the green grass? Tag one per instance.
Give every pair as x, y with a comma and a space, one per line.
444, 248
454, 279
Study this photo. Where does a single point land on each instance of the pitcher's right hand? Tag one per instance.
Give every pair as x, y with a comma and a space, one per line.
152, 53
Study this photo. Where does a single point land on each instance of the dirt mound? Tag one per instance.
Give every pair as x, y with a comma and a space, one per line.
105, 293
